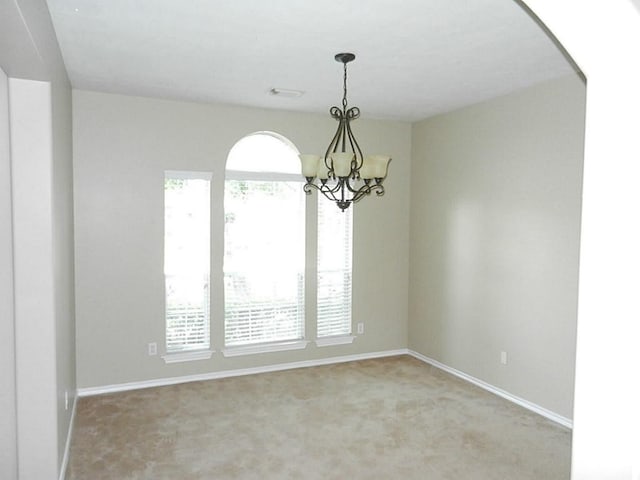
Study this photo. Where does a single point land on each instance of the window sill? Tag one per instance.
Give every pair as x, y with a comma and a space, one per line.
187, 356
264, 348
330, 341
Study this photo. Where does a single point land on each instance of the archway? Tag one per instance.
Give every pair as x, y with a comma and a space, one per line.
603, 38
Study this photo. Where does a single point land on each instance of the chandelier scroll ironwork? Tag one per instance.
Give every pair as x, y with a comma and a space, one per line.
344, 175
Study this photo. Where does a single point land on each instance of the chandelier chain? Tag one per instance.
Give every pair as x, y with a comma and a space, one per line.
344, 96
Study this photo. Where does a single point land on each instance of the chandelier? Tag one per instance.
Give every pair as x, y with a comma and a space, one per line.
344, 175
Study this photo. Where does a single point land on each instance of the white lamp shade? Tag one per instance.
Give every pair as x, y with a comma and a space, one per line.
380, 165
309, 164
342, 163
323, 171
367, 170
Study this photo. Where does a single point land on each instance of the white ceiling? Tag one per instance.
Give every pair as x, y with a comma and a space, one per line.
415, 58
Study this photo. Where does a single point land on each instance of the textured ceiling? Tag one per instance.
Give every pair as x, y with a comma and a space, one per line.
415, 58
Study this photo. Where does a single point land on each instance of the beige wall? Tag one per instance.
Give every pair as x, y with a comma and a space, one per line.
495, 221
122, 145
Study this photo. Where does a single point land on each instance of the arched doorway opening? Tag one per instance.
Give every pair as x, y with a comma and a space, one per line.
602, 37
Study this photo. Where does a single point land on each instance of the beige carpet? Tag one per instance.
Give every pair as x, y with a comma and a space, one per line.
392, 418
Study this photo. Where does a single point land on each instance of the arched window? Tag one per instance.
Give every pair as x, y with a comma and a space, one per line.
264, 152
264, 242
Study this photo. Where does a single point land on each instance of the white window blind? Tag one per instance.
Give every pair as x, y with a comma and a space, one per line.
186, 260
334, 269
264, 254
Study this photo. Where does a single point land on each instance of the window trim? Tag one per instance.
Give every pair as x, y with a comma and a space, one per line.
178, 357
335, 340
262, 176
188, 175
265, 348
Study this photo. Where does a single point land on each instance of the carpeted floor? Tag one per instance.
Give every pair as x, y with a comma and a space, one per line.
390, 418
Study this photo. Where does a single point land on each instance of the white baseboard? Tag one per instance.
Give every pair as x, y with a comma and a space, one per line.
67, 446
566, 422
161, 382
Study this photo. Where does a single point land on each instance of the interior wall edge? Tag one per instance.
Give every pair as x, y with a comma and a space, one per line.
67, 445
8, 426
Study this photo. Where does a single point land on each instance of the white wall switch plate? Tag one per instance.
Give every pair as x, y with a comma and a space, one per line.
153, 348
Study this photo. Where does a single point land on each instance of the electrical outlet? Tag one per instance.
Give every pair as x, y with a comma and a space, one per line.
152, 348
503, 358
360, 328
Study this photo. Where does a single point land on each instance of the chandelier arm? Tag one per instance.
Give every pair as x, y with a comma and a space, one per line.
323, 188
344, 125
333, 190
356, 158
336, 113
363, 190
309, 187
328, 192
330, 195
333, 145
353, 113
354, 144
366, 190
336, 137
361, 194
351, 189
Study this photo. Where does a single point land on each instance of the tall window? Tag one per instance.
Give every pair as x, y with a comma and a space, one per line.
334, 269
186, 260
264, 254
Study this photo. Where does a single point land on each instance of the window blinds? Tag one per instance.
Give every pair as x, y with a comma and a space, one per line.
263, 261
187, 312
334, 269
